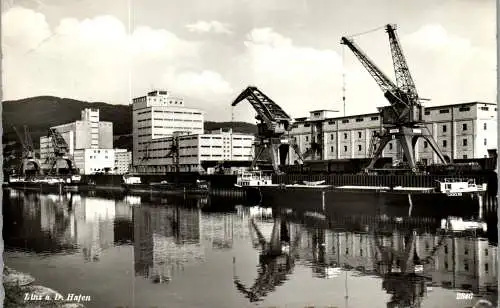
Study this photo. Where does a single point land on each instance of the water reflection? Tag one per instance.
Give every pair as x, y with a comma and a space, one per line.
165, 240
410, 258
276, 259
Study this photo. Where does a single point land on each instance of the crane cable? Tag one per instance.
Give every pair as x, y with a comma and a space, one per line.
365, 32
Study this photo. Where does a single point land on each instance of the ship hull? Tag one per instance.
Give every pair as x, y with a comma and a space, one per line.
338, 202
45, 187
163, 189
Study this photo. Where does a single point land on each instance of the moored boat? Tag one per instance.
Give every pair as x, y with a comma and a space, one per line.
134, 184
451, 196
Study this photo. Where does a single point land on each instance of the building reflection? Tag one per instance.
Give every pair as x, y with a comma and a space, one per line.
67, 222
36, 223
166, 239
456, 261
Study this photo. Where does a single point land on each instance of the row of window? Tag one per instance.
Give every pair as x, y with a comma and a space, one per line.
464, 143
177, 112
177, 120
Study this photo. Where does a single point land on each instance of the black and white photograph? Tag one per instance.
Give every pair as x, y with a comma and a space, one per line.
249, 153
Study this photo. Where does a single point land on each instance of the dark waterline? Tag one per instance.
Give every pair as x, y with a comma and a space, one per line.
136, 252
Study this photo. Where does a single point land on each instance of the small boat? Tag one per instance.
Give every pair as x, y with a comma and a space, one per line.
457, 187
458, 224
253, 179
314, 183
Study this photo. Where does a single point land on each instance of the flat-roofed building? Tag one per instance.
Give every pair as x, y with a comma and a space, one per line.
158, 114
465, 130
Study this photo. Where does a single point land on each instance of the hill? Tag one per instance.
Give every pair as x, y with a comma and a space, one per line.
41, 112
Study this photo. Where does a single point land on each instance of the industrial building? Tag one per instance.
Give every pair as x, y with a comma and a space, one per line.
123, 161
465, 130
167, 135
159, 115
92, 161
84, 137
194, 150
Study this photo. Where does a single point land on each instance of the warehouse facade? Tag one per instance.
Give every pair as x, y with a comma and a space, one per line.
465, 130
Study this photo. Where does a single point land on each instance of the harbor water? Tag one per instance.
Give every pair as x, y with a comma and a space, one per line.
156, 251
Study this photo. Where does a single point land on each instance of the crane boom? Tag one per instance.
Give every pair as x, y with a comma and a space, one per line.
402, 120
404, 80
267, 110
382, 80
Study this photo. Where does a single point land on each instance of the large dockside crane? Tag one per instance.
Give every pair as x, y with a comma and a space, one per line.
402, 120
60, 153
273, 129
28, 153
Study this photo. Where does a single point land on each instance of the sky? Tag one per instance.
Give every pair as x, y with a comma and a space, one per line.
209, 51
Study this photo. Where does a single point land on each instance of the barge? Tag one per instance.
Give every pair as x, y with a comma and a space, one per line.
451, 196
133, 184
47, 183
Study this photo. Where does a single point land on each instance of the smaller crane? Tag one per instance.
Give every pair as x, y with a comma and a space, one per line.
273, 129
60, 152
28, 153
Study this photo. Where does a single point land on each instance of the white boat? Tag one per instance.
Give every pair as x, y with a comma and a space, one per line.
457, 224
132, 180
458, 186
314, 183
252, 179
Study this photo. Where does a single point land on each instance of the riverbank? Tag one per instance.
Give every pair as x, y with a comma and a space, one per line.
20, 291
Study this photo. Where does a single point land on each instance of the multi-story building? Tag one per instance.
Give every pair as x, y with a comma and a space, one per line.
194, 151
87, 133
159, 115
465, 130
92, 161
123, 160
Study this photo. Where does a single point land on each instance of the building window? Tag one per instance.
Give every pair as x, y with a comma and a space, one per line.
426, 145
486, 252
427, 112
464, 142
464, 156
466, 251
307, 138
446, 249
444, 128
374, 118
464, 126
345, 121
359, 148
463, 109
331, 149
444, 111
486, 267
345, 148
445, 143
390, 146
485, 141
359, 134
359, 120
485, 126
466, 265
484, 108
331, 136
345, 135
